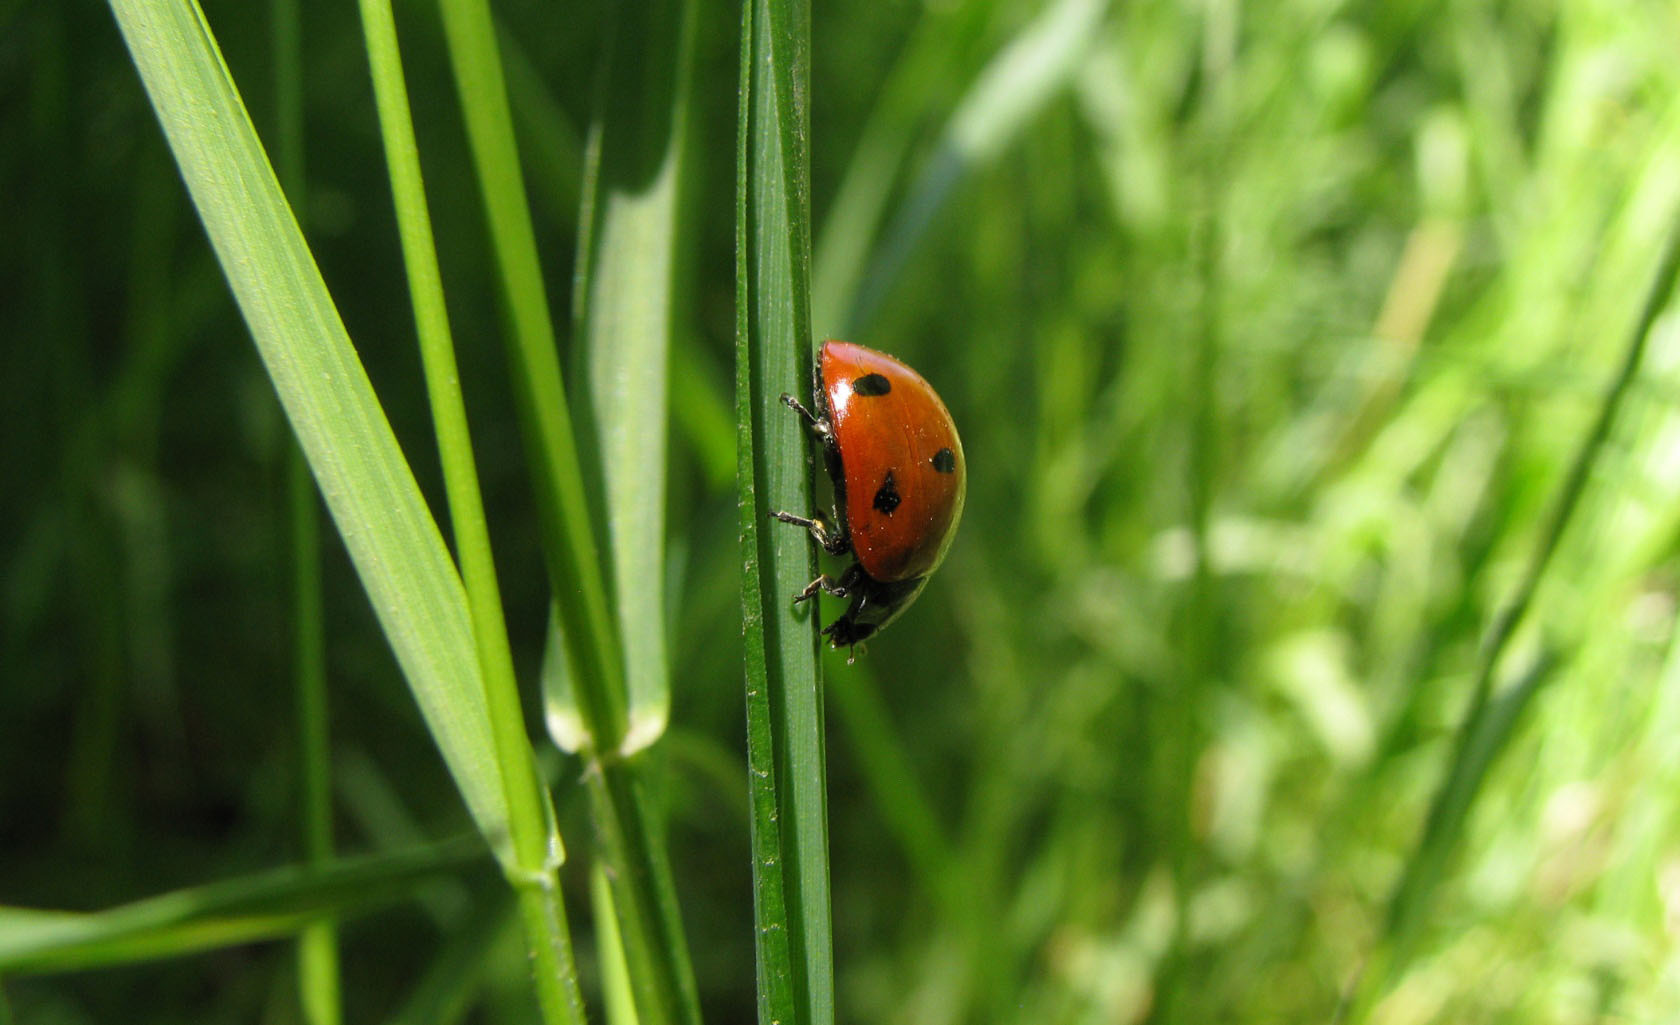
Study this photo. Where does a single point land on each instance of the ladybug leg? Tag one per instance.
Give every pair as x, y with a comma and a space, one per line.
824, 583
833, 542
818, 424
839, 542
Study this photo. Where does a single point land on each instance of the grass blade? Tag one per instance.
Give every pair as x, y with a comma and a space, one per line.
773, 355
319, 988
617, 991
627, 246
318, 975
257, 907
569, 545
536, 844
624, 321
644, 897
391, 536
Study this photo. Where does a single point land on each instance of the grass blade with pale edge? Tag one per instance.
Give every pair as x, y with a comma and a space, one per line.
537, 849
783, 682
627, 243
391, 536
257, 907
623, 317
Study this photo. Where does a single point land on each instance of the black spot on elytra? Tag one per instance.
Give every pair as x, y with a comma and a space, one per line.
945, 461
871, 385
887, 497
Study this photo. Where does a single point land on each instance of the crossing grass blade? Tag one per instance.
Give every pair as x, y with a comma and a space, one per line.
243, 910
389, 532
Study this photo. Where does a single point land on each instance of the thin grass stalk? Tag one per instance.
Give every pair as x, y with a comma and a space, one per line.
319, 991
569, 544
617, 992
783, 678
535, 844
644, 895
318, 976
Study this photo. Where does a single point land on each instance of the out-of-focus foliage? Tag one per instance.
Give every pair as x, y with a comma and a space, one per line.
1273, 332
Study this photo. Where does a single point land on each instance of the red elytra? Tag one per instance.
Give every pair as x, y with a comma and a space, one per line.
899, 482
905, 478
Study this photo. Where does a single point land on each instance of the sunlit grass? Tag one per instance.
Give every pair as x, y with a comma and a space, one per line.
1285, 342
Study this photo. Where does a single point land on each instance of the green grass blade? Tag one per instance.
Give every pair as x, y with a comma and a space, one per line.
390, 534
773, 355
318, 975
1009, 93
644, 897
627, 246
536, 844
617, 992
267, 905
569, 544
625, 323
319, 989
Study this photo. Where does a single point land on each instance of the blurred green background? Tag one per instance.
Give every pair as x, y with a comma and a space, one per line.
1275, 333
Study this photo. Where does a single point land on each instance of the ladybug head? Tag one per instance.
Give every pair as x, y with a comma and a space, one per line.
845, 632
874, 604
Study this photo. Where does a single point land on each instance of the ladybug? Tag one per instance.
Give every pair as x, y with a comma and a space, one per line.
899, 482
